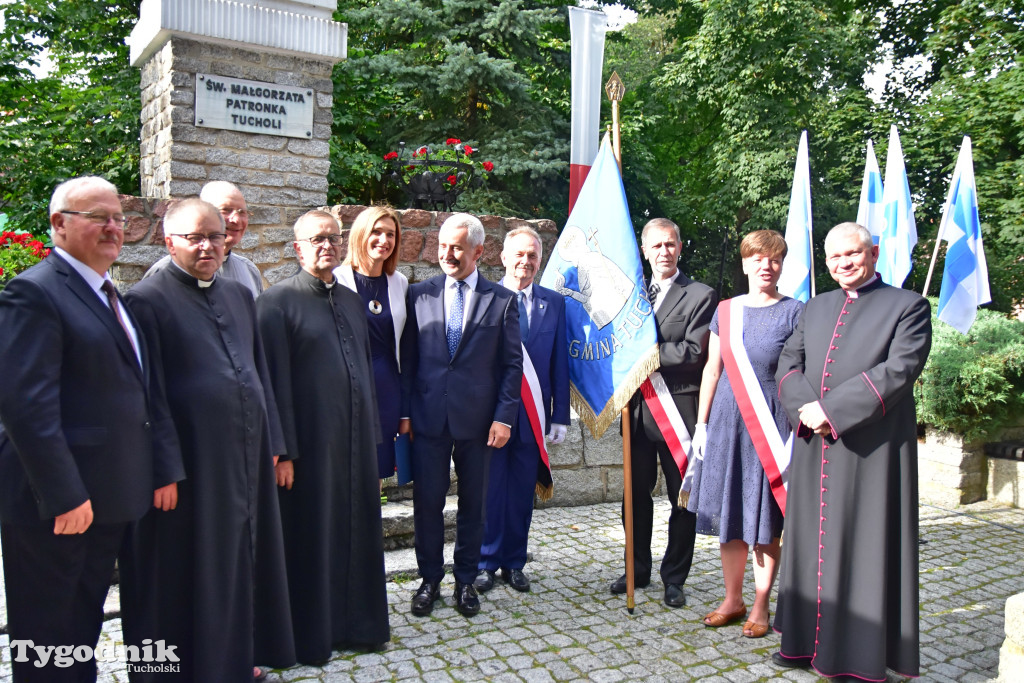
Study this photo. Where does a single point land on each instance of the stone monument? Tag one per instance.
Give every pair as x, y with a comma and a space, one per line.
240, 91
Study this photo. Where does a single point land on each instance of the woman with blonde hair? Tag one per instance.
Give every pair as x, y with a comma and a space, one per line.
370, 270
735, 496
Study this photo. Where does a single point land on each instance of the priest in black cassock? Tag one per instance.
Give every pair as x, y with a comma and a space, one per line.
190, 576
848, 593
318, 349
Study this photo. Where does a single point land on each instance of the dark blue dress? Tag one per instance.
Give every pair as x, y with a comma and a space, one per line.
385, 366
733, 498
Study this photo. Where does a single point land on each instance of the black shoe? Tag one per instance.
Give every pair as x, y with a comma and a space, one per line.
484, 580
675, 596
618, 586
791, 662
516, 578
466, 600
427, 594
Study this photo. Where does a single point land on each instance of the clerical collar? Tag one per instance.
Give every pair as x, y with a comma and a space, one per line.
854, 293
202, 284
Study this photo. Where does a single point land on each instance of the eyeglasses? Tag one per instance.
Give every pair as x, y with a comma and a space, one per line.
318, 240
100, 219
215, 239
228, 213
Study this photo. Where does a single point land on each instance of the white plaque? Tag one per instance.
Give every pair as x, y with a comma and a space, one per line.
254, 106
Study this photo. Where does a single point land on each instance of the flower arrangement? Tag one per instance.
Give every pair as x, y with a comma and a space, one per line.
436, 175
19, 251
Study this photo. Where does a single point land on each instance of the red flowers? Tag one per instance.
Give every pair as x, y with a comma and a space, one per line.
452, 179
488, 166
390, 155
452, 141
19, 251
467, 149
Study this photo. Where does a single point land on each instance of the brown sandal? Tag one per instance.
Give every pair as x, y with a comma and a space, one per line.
716, 619
752, 630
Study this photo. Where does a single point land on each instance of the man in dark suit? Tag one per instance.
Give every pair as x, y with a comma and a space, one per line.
683, 310
517, 466
85, 447
461, 395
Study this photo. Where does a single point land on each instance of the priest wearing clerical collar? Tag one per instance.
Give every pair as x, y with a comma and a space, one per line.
318, 348
189, 576
848, 592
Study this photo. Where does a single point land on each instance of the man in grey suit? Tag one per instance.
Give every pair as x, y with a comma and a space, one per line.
461, 393
85, 446
682, 310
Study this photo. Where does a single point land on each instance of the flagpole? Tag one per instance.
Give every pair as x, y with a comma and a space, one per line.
935, 255
615, 90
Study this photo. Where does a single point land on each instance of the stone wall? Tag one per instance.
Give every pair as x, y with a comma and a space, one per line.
952, 472
268, 243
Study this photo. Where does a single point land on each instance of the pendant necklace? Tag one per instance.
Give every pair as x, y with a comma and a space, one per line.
374, 305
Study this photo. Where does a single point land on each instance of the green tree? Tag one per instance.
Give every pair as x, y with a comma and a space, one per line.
494, 74
81, 115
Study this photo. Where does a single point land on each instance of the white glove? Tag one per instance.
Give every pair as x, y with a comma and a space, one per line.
556, 434
699, 440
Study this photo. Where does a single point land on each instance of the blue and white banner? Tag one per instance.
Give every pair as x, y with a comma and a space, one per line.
899, 231
595, 265
870, 209
795, 280
965, 275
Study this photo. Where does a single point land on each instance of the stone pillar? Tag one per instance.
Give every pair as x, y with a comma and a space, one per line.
270, 63
1011, 654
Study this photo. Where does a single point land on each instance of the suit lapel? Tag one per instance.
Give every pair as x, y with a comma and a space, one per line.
87, 296
673, 296
538, 313
482, 296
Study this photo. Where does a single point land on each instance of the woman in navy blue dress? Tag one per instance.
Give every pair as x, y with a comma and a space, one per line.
733, 497
369, 269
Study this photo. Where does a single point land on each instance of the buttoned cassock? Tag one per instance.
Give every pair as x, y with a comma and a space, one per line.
209, 576
848, 591
514, 467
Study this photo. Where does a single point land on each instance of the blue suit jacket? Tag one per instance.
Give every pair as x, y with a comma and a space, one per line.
481, 384
549, 354
79, 419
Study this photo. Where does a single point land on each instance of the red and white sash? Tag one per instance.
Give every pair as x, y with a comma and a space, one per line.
764, 433
666, 416
533, 403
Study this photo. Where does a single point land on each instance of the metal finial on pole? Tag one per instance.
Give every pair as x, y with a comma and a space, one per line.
615, 89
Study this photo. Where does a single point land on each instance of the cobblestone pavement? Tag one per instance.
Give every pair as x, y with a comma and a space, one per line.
570, 628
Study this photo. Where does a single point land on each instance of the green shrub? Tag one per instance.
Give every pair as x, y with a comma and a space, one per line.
973, 384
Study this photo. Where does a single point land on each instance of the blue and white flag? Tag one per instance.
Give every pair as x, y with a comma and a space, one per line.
869, 212
595, 265
899, 231
795, 280
965, 275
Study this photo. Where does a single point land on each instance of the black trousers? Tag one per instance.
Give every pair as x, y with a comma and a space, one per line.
56, 586
646, 454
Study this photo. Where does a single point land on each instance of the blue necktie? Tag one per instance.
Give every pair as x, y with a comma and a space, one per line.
524, 319
454, 328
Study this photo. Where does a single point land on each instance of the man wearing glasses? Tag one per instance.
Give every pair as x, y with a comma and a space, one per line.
86, 443
228, 200
318, 348
190, 575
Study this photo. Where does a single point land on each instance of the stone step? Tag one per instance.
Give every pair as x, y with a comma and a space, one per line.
397, 518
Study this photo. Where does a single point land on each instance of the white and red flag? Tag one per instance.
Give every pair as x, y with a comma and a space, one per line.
586, 29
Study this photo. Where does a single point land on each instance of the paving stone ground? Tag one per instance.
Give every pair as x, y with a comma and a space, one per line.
570, 628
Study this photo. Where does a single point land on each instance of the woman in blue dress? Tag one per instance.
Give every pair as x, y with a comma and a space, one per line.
733, 498
369, 269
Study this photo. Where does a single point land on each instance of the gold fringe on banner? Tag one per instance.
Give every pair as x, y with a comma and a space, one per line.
641, 370
545, 492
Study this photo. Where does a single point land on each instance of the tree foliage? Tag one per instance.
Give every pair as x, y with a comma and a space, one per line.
494, 74
69, 100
